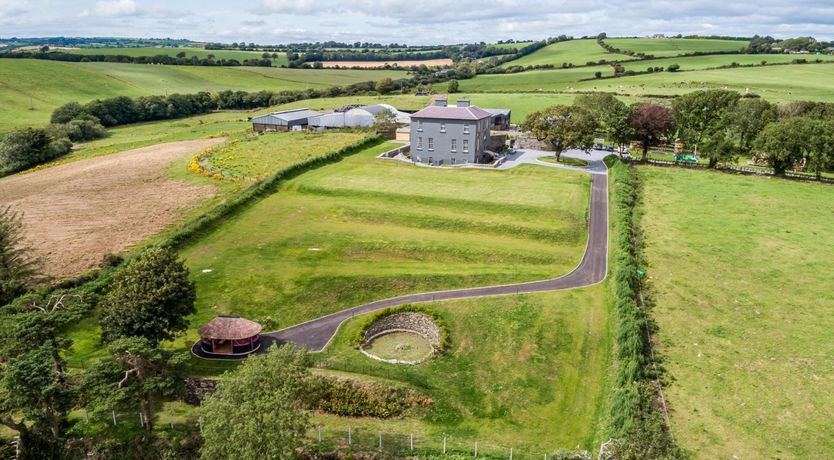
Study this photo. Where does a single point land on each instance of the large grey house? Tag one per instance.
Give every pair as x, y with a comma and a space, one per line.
449, 135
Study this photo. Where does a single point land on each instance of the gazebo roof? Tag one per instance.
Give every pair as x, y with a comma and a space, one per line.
230, 328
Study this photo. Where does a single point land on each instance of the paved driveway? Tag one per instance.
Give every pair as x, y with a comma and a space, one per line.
317, 333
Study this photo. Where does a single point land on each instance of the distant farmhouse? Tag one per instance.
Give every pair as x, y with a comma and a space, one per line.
345, 117
449, 135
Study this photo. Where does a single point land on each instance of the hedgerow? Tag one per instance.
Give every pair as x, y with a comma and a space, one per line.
350, 398
636, 419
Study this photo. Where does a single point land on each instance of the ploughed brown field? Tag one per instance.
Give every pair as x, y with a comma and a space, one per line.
375, 64
76, 213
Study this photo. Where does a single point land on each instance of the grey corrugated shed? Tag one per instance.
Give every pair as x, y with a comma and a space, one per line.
285, 117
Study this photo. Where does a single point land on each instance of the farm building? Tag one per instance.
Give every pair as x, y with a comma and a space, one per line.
349, 119
283, 121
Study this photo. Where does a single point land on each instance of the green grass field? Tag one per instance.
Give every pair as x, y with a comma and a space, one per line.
577, 52
31, 89
527, 372
256, 157
740, 267
776, 83
717, 60
674, 46
341, 235
189, 52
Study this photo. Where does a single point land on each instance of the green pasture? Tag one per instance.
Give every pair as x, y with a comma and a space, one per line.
775, 83
364, 229
534, 80
201, 53
576, 52
503, 46
255, 157
31, 89
526, 371
675, 46
712, 61
740, 268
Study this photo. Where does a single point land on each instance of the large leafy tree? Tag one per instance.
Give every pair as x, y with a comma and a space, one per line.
747, 119
611, 114
700, 114
136, 374
258, 411
651, 122
36, 392
563, 127
17, 265
23, 148
819, 154
149, 298
783, 143
720, 149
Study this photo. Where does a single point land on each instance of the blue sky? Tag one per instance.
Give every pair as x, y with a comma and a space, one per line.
410, 21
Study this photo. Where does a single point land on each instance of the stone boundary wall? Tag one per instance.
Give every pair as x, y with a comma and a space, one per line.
419, 323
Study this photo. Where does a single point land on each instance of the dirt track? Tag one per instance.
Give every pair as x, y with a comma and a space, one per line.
75, 213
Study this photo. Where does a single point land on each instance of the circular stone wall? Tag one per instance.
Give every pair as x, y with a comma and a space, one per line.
401, 338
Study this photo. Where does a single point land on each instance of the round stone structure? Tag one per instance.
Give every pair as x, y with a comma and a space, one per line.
420, 324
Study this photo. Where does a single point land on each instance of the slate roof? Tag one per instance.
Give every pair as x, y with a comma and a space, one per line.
230, 328
499, 111
452, 113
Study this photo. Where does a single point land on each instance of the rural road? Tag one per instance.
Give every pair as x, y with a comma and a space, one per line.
316, 334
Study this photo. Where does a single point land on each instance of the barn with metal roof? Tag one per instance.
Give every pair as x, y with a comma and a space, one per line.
286, 120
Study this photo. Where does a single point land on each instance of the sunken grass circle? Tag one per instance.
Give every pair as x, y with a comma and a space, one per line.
404, 335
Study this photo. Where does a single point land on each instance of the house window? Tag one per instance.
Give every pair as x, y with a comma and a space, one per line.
419, 125
466, 145
420, 143
442, 127
466, 128
454, 145
431, 144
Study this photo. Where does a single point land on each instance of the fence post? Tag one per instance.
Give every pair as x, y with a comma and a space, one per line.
350, 437
444, 444
114, 417
380, 440
86, 416
318, 429
511, 453
141, 420
476, 449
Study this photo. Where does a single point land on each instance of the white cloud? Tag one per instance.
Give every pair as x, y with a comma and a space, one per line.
117, 8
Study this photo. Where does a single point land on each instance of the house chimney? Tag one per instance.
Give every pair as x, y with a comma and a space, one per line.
463, 103
440, 102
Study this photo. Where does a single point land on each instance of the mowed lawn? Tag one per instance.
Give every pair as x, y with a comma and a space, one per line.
675, 46
524, 371
364, 229
31, 89
576, 52
741, 268
257, 156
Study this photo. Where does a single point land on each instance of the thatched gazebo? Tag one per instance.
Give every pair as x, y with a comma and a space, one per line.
230, 336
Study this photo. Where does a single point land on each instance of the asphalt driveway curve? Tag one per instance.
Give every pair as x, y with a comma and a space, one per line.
317, 333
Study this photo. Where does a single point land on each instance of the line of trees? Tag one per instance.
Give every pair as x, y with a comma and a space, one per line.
720, 125
179, 59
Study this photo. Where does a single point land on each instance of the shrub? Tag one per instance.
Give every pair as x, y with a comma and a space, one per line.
350, 398
673, 68
25, 148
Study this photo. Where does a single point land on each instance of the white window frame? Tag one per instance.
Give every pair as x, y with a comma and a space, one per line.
466, 128
431, 144
454, 145
419, 142
420, 125
442, 127
466, 146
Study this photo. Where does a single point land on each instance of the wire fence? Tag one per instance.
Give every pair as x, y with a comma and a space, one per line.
343, 439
